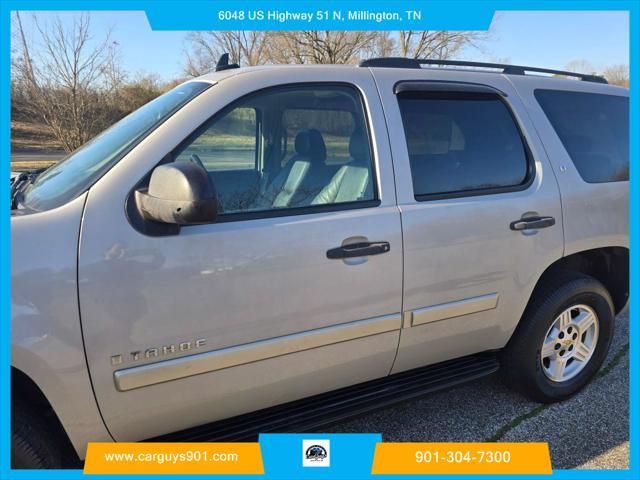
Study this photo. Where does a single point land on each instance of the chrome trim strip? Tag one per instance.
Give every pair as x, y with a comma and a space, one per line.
407, 319
173, 369
454, 309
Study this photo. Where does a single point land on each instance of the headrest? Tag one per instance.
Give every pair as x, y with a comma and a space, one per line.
359, 146
309, 143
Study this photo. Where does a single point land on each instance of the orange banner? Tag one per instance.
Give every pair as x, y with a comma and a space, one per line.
159, 458
461, 458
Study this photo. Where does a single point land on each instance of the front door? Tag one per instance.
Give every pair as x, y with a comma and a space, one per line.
269, 303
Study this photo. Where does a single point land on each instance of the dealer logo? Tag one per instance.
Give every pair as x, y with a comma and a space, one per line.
315, 453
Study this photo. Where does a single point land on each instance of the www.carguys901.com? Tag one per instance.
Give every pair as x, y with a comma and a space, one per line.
161, 458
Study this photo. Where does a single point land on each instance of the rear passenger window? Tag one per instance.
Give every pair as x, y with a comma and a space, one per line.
594, 129
462, 144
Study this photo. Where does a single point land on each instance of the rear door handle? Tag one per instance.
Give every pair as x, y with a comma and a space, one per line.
532, 223
362, 249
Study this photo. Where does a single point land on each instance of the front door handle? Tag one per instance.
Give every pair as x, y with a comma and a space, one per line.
362, 249
532, 223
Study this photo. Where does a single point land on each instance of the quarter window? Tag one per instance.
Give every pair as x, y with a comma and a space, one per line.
594, 130
287, 148
461, 144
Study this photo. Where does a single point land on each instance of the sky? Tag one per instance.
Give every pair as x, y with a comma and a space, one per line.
542, 39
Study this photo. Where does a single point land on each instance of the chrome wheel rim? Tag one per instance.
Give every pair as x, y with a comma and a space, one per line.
569, 343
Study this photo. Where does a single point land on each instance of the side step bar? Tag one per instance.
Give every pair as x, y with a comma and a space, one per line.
320, 410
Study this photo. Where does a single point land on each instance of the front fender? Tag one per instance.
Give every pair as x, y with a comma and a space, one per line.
46, 335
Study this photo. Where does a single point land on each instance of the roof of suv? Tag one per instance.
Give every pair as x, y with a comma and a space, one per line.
214, 76
546, 77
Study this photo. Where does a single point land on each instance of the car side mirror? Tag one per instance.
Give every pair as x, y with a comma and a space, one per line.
179, 193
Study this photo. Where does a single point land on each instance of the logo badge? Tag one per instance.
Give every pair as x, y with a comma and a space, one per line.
315, 453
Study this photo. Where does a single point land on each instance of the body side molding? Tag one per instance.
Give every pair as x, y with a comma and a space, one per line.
454, 309
176, 368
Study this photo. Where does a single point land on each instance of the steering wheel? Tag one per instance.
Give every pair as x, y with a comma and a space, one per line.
196, 159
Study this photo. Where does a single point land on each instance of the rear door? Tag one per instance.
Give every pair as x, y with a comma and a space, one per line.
250, 311
585, 126
480, 209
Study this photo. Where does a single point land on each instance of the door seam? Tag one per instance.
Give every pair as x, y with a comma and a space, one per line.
399, 210
84, 346
546, 153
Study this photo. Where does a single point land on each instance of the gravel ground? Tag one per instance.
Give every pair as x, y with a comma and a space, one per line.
589, 431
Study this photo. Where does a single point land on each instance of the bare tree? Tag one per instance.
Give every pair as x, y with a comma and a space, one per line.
617, 75
436, 44
244, 47
255, 48
320, 46
68, 81
580, 66
383, 45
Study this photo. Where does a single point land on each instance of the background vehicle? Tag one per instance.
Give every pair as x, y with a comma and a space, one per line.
357, 235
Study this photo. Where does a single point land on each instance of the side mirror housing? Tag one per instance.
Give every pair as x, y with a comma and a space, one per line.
179, 193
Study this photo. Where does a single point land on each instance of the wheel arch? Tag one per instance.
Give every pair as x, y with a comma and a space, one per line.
63, 394
28, 393
608, 265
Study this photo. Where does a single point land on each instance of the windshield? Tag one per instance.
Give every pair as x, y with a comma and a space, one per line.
76, 173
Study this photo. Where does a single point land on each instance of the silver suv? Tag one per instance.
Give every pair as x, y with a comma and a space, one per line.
275, 247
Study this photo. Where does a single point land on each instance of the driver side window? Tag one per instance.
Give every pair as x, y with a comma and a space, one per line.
287, 148
230, 143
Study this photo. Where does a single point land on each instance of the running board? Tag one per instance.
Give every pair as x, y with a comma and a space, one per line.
320, 410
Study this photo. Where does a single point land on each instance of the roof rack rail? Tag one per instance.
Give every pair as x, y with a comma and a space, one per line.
402, 62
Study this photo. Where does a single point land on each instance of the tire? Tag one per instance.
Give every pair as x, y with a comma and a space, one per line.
33, 441
523, 366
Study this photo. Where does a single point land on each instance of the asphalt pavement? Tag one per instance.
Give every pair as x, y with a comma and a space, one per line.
588, 431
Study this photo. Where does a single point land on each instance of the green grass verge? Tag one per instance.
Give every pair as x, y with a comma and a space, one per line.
541, 408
